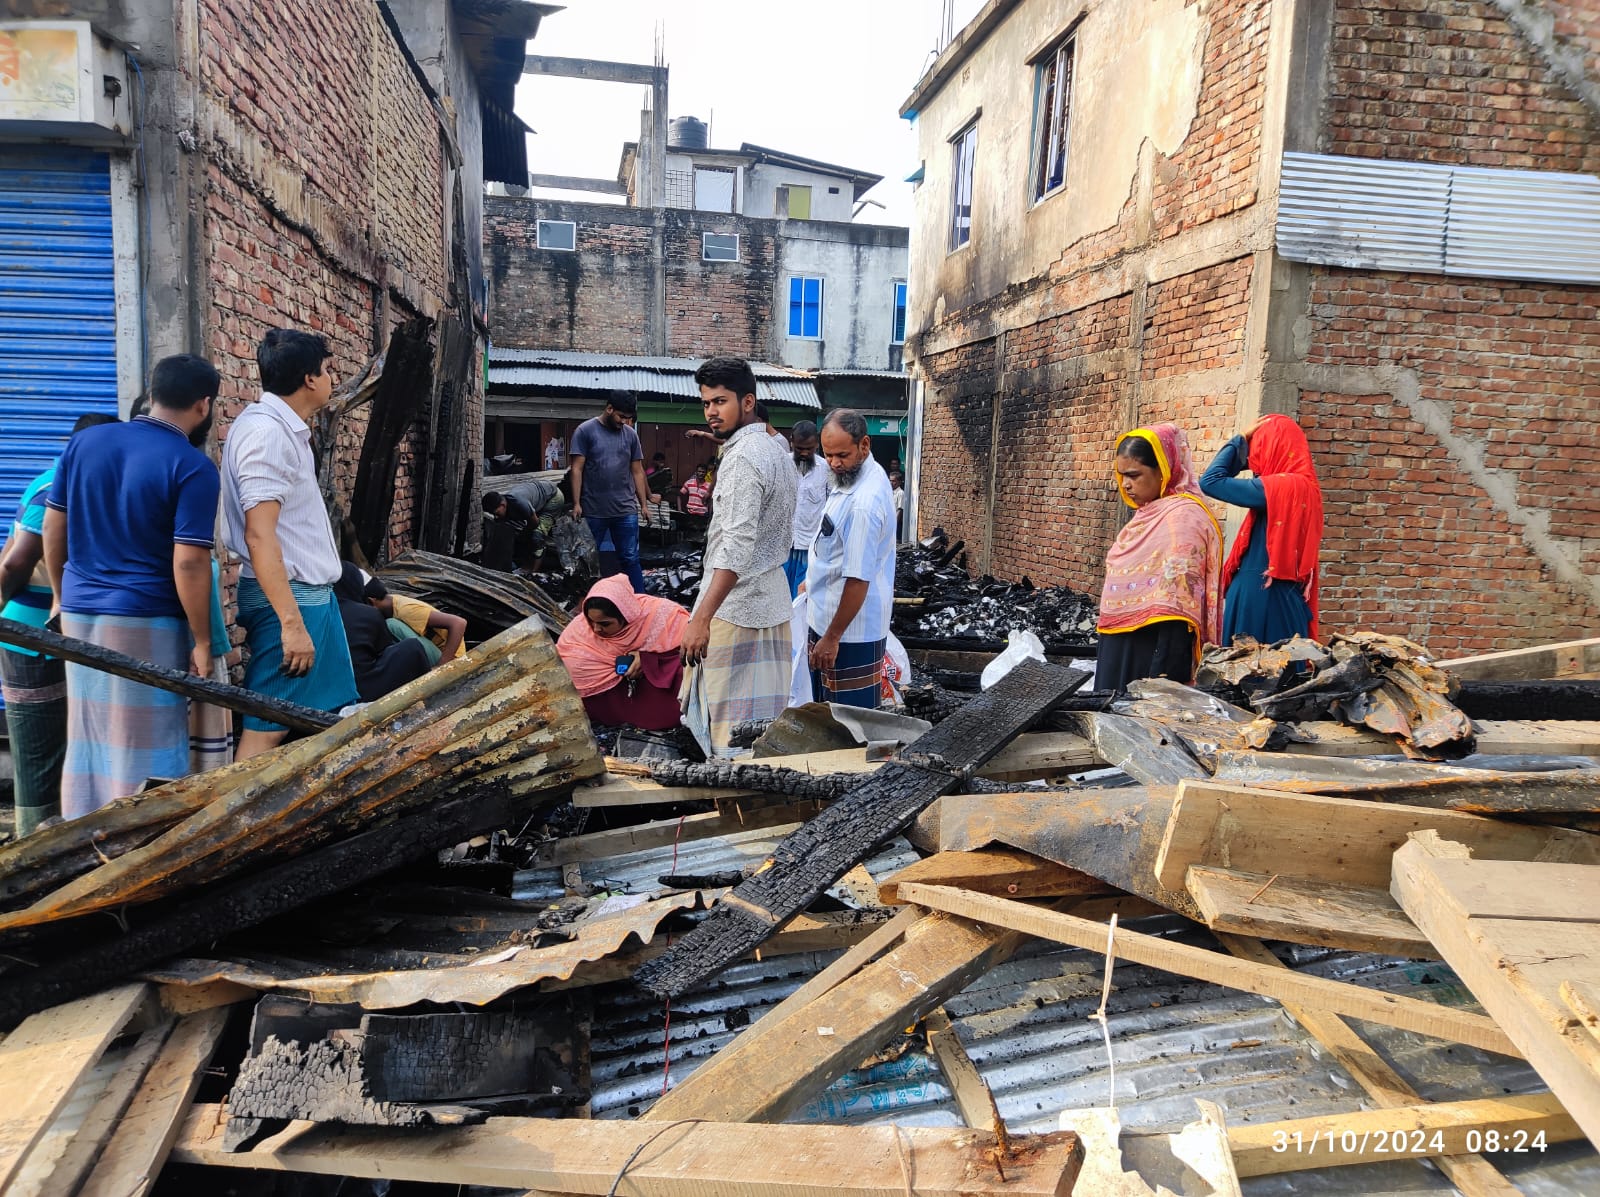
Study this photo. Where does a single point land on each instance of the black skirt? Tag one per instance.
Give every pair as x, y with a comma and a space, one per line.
1161, 649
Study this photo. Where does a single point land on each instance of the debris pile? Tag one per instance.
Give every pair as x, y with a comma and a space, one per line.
936, 600
802, 911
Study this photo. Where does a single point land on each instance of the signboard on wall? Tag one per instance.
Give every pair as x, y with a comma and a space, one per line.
58, 78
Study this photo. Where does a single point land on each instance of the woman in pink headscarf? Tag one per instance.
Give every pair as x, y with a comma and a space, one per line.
623, 654
1162, 598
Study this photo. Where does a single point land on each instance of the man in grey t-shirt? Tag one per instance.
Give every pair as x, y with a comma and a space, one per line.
608, 483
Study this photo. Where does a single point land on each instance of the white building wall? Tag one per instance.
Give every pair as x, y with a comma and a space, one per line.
859, 265
764, 179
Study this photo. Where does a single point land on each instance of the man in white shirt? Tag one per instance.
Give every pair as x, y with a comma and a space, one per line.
850, 579
274, 518
808, 501
738, 641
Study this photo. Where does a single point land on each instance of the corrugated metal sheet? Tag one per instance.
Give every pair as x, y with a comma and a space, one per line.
1378, 214
668, 376
58, 340
1363, 212
1025, 1024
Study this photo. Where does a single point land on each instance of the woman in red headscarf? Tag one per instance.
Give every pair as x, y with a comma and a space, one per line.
1271, 574
1162, 598
622, 651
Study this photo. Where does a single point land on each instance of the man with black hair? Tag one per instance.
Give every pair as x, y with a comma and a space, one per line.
35, 685
850, 580
738, 638
608, 480
127, 540
809, 498
274, 518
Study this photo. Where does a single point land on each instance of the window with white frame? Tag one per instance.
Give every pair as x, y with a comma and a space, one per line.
898, 335
964, 150
805, 307
1052, 117
719, 247
558, 234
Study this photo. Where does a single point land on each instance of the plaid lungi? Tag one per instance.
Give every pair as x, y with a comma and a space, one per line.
745, 675
36, 723
330, 685
121, 733
856, 676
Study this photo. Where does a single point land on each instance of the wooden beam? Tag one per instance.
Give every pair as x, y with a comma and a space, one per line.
1568, 659
1326, 913
1003, 871
1473, 1175
602, 845
1515, 934
139, 1147
766, 1076
1339, 997
576, 183
592, 68
1523, 1124
961, 1075
1338, 840
1499, 737
688, 1160
46, 1056
200, 689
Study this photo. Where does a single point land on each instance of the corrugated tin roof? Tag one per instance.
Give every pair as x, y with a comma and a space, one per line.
669, 376
1379, 214
1025, 1025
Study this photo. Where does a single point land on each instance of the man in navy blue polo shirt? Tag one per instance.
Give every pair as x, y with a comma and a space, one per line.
127, 539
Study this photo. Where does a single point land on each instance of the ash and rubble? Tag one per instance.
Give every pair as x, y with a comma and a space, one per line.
955, 606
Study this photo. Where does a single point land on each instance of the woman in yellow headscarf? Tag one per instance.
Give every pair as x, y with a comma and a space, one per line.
1162, 598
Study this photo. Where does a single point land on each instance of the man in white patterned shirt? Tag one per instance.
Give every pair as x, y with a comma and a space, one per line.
738, 641
274, 518
850, 580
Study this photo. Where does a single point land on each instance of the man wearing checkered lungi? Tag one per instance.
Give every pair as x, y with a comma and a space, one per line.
738, 646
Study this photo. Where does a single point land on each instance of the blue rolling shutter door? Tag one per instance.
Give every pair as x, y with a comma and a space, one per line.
58, 335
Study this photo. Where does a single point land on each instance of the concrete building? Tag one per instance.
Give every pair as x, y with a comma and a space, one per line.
747, 251
1378, 217
182, 177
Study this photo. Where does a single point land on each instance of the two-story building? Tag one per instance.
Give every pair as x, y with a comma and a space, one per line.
1381, 218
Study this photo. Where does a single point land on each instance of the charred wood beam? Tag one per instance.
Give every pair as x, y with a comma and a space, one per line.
165, 929
407, 374
1556, 699
828, 846
766, 779
218, 694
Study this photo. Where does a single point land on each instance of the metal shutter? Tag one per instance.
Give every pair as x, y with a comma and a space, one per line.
58, 337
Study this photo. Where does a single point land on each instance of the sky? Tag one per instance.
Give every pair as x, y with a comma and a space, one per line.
823, 80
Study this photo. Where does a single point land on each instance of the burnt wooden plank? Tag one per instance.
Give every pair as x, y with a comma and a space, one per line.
828, 846
166, 929
201, 689
985, 725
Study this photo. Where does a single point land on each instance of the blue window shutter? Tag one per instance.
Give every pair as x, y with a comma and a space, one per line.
899, 333
813, 320
796, 318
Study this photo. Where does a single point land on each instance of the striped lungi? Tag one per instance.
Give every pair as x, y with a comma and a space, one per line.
121, 733
745, 675
36, 724
795, 569
331, 683
856, 676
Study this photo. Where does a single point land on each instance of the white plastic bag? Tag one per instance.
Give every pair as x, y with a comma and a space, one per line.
799, 631
1021, 645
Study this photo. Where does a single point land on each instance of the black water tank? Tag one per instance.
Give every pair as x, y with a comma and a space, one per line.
686, 133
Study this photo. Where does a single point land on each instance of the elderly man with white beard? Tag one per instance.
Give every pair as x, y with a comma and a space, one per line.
850, 577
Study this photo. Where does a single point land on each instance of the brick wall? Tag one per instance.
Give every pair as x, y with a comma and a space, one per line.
599, 298
1450, 81
325, 177
1463, 514
1075, 371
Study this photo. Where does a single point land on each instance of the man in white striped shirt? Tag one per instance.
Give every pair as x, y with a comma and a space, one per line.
274, 518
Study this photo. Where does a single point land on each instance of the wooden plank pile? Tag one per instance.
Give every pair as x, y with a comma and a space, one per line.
433, 1070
